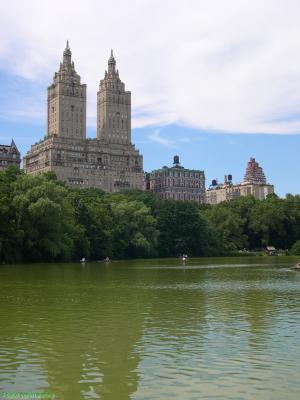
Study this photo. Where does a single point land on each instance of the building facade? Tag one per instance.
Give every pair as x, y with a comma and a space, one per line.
222, 192
259, 190
254, 184
178, 183
109, 162
9, 155
254, 173
113, 108
66, 102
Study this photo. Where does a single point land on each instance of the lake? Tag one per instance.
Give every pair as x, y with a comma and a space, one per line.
216, 328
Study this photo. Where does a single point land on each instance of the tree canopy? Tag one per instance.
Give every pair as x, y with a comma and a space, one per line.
43, 220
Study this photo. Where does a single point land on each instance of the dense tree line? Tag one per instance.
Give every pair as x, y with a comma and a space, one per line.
43, 220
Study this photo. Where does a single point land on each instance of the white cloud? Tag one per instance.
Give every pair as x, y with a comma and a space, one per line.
229, 65
157, 138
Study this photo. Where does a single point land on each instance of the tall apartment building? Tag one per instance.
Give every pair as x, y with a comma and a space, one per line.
109, 162
178, 183
254, 173
254, 184
9, 155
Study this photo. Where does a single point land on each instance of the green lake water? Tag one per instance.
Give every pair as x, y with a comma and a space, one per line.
152, 329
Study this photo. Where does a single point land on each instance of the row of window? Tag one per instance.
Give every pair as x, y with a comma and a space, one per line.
109, 85
176, 174
173, 196
67, 130
186, 190
9, 155
118, 123
77, 181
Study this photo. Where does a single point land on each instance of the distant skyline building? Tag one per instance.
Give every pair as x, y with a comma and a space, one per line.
9, 155
67, 101
113, 107
177, 183
254, 173
109, 162
254, 184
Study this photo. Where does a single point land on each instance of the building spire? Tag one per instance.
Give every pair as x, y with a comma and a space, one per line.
111, 63
13, 147
111, 58
67, 54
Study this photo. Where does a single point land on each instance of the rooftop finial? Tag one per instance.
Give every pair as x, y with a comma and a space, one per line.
67, 49
67, 53
111, 62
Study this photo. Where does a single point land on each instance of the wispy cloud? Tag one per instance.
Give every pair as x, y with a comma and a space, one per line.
231, 66
157, 138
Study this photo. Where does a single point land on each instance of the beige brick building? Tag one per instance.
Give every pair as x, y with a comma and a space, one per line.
222, 192
110, 161
178, 183
254, 184
9, 155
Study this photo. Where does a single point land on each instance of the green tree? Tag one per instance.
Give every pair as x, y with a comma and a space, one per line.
182, 229
9, 249
134, 229
93, 214
229, 226
295, 250
147, 197
42, 219
271, 224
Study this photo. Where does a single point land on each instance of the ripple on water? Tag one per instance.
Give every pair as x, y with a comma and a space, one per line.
152, 331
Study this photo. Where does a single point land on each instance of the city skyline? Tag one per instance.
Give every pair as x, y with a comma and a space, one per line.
110, 162
208, 88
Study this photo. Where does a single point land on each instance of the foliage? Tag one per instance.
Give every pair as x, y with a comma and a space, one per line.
134, 229
43, 220
39, 220
94, 217
229, 226
183, 230
295, 250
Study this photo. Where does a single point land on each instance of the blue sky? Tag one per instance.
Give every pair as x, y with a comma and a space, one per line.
212, 81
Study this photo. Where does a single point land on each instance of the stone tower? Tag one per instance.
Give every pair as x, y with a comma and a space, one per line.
67, 102
110, 162
254, 173
113, 108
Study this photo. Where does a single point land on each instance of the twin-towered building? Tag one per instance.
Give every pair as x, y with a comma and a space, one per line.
109, 162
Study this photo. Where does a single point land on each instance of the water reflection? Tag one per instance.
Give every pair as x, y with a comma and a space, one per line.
151, 329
